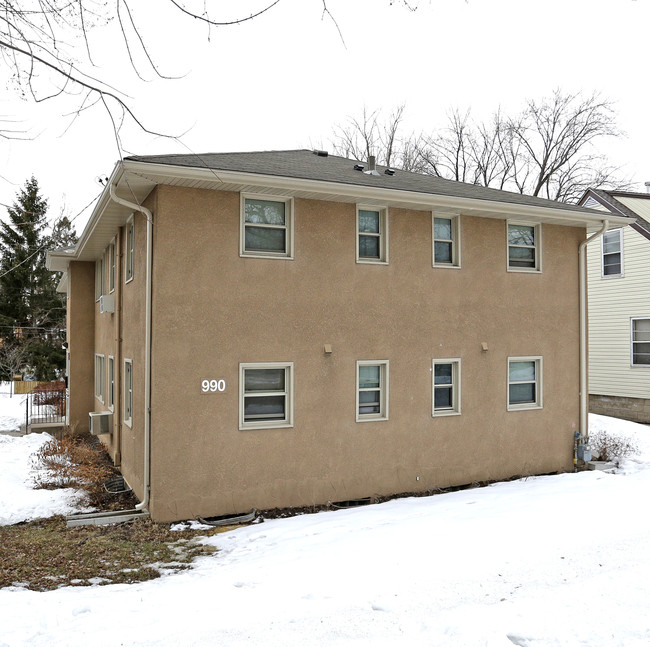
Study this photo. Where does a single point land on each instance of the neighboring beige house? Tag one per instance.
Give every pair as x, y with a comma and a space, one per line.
289, 328
619, 308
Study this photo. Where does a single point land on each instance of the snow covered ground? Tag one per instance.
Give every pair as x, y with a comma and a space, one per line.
555, 561
12, 409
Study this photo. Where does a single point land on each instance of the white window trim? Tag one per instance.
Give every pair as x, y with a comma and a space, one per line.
538, 247
127, 421
129, 250
539, 403
287, 421
383, 390
383, 234
602, 256
110, 383
455, 248
112, 267
100, 377
632, 364
456, 387
288, 225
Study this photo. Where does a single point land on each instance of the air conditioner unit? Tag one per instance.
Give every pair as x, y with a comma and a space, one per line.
107, 303
101, 422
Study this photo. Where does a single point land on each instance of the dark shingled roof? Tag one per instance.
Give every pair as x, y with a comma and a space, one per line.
306, 164
608, 199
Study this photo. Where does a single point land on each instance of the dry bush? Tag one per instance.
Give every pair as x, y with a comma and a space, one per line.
611, 447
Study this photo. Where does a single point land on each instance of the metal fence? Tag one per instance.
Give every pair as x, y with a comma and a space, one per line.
45, 406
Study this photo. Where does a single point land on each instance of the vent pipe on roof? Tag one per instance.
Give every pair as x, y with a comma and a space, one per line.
647, 187
371, 166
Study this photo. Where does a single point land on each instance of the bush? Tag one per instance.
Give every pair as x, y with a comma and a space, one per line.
611, 447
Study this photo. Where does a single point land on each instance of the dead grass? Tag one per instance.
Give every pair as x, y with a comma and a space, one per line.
44, 555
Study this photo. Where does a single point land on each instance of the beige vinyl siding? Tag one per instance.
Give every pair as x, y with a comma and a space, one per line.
640, 206
612, 304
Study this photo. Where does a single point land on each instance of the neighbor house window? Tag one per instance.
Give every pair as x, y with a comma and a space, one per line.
265, 395
446, 249
129, 256
99, 278
110, 393
266, 227
524, 246
524, 383
372, 235
446, 387
372, 390
640, 342
99, 377
111, 267
128, 392
612, 248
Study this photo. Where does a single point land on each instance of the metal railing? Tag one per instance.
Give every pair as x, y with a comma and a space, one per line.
45, 406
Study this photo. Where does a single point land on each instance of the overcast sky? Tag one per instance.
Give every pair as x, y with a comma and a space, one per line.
284, 79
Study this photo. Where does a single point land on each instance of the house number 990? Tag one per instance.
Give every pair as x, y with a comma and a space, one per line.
212, 386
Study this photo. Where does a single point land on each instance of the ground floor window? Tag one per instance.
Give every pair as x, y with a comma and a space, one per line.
524, 383
372, 390
446, 387
265, 395
111, 383
99, 377
640, 342
128, 392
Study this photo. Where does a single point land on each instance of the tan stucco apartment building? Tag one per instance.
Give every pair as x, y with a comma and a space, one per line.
289, 328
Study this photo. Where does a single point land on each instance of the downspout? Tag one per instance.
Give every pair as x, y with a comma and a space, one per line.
584, 402
143, 505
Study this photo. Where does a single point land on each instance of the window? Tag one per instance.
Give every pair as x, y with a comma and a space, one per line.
111, 267
446, 249
372, 235
111, 383
612, 249
129, 256
99, 377
265, 395
99, 278
372, 390
128, 392
524, 383
446, 387
266, 227
640, 342
524, 247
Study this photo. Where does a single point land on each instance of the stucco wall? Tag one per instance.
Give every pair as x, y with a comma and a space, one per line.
213, 310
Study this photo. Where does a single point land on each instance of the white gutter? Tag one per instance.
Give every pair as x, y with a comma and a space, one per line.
584, 395
143, 505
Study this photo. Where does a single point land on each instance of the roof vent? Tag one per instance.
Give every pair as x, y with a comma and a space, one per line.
390, 171
320, 153
647, 187
359, 167
371, 166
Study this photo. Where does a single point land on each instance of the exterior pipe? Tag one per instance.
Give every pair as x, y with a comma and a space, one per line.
584, 403
143, 505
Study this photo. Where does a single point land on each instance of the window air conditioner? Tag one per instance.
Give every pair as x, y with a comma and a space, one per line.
107, 303
101, 422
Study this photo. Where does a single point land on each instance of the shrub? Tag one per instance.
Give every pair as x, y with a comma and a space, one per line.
612, 447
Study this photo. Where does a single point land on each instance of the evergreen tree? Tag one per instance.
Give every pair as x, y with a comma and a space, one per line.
32, 314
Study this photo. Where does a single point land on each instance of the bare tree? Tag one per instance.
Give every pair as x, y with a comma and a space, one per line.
13, 358
548, 149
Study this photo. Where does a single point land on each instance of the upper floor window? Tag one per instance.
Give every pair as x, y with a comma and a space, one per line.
99, 278
524, 247
640, 342
372, 235
111, 267
524, 383
265, 395
266, 227
372, 390
612, 253
129, 256
446, 387
446, 235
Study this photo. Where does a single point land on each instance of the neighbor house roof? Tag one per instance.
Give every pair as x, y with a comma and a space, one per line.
310, 175
625, 203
